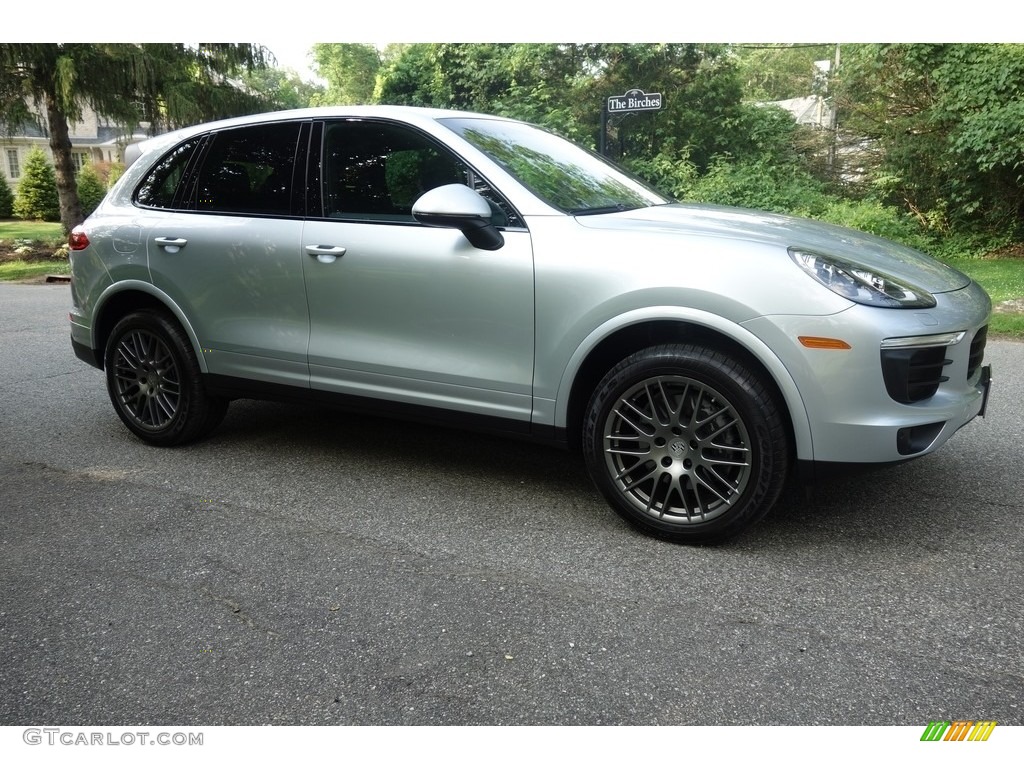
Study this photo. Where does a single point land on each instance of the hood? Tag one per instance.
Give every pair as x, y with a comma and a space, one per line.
694, 220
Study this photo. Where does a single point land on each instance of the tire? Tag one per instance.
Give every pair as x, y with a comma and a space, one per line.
155, 382
685, 443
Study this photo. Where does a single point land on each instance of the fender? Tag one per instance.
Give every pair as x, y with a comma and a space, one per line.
116, 289
743, 337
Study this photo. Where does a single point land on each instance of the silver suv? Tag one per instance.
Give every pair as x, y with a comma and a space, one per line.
480, 271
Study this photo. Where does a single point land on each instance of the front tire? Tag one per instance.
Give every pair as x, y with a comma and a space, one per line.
155, 383
685, 443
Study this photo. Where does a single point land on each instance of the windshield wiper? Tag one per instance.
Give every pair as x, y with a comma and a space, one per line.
617, 208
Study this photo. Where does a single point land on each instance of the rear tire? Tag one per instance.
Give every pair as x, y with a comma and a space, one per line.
155, 383
686, 443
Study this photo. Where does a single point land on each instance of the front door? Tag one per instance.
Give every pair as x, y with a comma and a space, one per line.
404, 311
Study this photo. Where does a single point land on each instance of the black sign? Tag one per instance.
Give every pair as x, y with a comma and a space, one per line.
634, 100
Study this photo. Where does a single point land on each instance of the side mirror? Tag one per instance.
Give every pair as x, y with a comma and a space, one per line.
458, 207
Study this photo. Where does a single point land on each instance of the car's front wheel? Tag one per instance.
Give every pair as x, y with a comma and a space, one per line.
685, 443
154, 381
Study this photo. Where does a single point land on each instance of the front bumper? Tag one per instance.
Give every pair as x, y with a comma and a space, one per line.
855, 415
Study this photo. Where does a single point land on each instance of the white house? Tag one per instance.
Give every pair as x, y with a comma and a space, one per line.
94, 139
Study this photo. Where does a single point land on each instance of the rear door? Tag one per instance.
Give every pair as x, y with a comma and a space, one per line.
228, 253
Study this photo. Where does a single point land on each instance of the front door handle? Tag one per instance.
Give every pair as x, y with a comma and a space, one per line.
325, 254
171, 244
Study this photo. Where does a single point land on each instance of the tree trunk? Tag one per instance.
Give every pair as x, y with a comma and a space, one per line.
63, 166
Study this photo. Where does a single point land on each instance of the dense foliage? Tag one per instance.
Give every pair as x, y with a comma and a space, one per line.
943, 126
350, 70
564, 86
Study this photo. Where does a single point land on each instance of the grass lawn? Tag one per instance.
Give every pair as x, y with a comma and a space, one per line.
27, 247
26, 270
41, 231
1004, 281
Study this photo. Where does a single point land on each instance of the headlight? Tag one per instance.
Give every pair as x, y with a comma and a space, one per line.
861, 284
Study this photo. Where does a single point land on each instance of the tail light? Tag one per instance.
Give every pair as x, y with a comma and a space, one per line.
78, 240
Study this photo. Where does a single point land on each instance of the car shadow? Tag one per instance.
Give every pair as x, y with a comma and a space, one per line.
880, 505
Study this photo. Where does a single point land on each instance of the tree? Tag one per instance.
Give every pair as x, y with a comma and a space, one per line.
283, 88
944, 126
774, 72
90, 189
165, 84
6, 200
407, 75
563, 87
350, 70
37, 191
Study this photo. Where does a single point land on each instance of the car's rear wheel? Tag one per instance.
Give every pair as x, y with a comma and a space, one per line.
685, 443
155, 383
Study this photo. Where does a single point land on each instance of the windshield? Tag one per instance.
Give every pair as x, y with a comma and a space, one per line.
557, 171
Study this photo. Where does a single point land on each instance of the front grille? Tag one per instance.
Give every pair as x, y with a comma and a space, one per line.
977, 351
913, 374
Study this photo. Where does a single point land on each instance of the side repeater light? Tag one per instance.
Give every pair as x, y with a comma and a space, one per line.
821, 342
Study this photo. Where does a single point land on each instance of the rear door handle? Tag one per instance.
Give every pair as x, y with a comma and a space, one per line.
325, 254
171, 244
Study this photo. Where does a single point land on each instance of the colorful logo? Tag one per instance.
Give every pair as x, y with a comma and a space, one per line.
958, 730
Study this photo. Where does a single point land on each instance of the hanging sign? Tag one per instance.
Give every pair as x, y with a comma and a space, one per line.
634, 100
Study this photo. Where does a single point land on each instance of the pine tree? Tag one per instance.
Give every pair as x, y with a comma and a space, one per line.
6, 200
37, 191
164, 84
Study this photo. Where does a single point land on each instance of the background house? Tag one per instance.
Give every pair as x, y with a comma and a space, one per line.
94, 139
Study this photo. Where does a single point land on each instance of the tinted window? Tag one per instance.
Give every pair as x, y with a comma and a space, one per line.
377, 170
159, 188
249, 170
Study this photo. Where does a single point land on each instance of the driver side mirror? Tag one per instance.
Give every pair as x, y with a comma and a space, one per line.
458, 207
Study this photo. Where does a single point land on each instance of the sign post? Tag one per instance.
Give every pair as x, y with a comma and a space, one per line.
633, 100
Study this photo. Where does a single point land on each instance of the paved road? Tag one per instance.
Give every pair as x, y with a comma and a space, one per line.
303, 567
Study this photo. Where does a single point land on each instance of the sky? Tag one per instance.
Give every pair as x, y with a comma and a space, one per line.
790, 21
468, 21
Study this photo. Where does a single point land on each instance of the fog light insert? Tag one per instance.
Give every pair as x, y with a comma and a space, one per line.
916, 439
913, 374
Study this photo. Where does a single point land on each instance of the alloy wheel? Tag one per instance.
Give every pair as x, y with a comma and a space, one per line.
677, 450
147, 380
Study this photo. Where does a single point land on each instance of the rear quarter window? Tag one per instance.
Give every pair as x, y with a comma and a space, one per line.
160, 187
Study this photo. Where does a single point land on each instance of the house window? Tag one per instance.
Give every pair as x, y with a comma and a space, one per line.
13, 168
79, 159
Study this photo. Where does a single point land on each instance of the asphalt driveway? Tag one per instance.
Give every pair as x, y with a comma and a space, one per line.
310, 567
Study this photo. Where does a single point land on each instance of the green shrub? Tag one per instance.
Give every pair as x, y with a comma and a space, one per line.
671, 175
974, 245
878, 219
762, 185
6, 200
90, 189
37, 191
